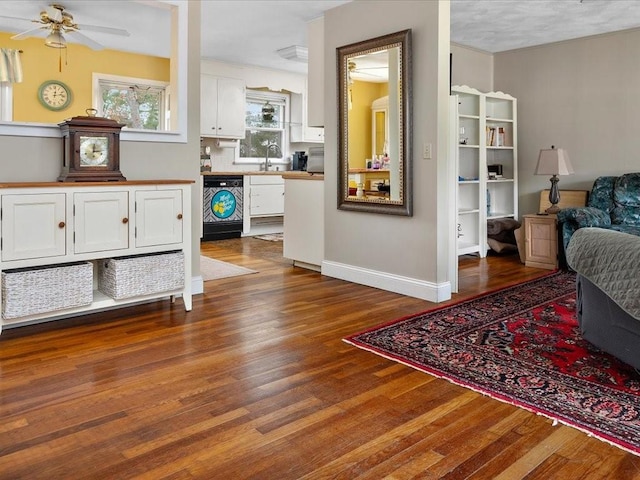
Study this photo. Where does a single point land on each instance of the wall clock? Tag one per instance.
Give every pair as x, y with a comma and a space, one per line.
91, 149
55, 95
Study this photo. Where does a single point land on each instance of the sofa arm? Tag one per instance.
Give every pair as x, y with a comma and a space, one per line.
571, 219
585, 217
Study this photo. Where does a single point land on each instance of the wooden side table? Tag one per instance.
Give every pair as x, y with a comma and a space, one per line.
541, 241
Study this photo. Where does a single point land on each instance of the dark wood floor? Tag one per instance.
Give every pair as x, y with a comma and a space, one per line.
256, 382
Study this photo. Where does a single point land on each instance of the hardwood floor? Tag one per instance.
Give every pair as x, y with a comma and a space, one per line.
257, 383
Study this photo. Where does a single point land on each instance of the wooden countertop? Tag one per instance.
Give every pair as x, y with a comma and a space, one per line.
302, 176
91, 184
255, 172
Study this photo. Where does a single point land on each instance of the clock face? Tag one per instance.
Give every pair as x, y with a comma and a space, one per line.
54, 95
94, 151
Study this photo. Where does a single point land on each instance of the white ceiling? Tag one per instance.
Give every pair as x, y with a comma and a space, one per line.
251, 31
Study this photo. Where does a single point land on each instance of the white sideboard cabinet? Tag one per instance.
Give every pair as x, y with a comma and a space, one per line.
56, 224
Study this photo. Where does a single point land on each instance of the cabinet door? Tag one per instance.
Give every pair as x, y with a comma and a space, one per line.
231, 108
267, 200
208, 105
101, 221
158, 217
33, 226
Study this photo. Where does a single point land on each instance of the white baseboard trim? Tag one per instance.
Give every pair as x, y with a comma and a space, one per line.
411, 287
197, 285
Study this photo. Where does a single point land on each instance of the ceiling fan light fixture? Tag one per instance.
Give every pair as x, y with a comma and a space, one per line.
55, 40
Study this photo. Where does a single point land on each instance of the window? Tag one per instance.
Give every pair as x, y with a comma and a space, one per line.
136, 102
266, 117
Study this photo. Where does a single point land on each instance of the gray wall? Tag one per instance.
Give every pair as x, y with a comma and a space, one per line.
414, 247
472, 67
581, 95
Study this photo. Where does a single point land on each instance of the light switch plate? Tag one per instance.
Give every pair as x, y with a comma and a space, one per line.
426, 151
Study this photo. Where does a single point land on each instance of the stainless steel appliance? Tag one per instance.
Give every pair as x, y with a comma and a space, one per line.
222, 206
315, 163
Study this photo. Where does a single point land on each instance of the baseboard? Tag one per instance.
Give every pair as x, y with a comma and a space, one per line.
197, 285
411, 287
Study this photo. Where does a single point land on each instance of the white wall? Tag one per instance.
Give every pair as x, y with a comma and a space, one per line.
409, 253
581, 95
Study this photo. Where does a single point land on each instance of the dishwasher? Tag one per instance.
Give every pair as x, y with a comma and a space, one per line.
222, 206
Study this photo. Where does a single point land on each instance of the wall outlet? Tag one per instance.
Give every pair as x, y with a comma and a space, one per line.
426, 151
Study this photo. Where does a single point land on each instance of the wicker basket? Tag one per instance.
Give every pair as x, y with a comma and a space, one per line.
138, 275
30, 291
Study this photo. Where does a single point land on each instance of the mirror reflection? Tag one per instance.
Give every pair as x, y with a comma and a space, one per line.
374, 108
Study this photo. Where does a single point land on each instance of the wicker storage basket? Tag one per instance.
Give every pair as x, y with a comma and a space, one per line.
29, 291
139, 275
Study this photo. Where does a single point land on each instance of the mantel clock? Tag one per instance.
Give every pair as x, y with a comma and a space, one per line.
91, 149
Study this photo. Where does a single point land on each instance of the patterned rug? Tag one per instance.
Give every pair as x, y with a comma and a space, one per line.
521, 345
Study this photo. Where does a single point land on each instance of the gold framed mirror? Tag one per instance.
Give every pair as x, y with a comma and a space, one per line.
374, 114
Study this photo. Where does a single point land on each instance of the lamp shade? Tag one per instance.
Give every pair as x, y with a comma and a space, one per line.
55, 40
554, 161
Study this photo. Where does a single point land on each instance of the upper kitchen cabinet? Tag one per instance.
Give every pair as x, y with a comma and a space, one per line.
300, 129
222, 105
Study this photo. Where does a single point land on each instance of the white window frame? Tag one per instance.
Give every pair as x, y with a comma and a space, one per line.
6, 101
165, 116
273, 97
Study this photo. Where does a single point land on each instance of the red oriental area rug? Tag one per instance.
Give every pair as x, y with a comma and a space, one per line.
521, 345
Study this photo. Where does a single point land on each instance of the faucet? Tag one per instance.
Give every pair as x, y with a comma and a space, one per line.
267, 163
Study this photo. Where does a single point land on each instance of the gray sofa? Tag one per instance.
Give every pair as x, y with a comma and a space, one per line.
607, 264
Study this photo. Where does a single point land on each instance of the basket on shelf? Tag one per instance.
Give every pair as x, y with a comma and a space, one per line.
140, 275
34, 290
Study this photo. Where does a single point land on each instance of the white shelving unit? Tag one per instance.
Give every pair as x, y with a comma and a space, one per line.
483, 133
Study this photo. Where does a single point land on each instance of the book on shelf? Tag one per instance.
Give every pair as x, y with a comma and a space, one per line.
495, 136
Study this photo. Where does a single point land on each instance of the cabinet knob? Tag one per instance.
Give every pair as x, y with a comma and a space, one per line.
61, 225
125, 220
179, 216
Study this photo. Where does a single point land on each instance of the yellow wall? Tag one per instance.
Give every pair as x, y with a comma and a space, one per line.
41, 63
364, 93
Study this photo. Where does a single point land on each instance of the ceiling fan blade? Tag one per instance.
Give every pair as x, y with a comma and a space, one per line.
85, 40
28, 33
18, 18
110, 30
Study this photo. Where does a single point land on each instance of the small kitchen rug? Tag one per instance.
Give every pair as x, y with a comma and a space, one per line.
212, 269
272, 237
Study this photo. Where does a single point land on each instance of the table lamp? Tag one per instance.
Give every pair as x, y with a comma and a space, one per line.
554, 161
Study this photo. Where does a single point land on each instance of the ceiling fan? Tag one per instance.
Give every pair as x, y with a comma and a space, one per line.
59, 22
372, 67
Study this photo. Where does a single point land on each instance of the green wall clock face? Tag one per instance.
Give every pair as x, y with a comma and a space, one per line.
54, 95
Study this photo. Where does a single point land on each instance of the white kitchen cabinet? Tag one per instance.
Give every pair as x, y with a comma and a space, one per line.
300, 129
315, 75
33, 226
222, 107
51, 224
304, 220
266, 195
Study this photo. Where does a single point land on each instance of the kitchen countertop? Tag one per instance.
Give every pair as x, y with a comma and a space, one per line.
302, 176
257, 172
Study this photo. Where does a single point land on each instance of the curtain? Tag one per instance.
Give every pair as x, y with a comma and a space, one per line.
10, 65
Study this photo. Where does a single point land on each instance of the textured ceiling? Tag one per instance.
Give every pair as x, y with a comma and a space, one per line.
251, 31
500, 25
